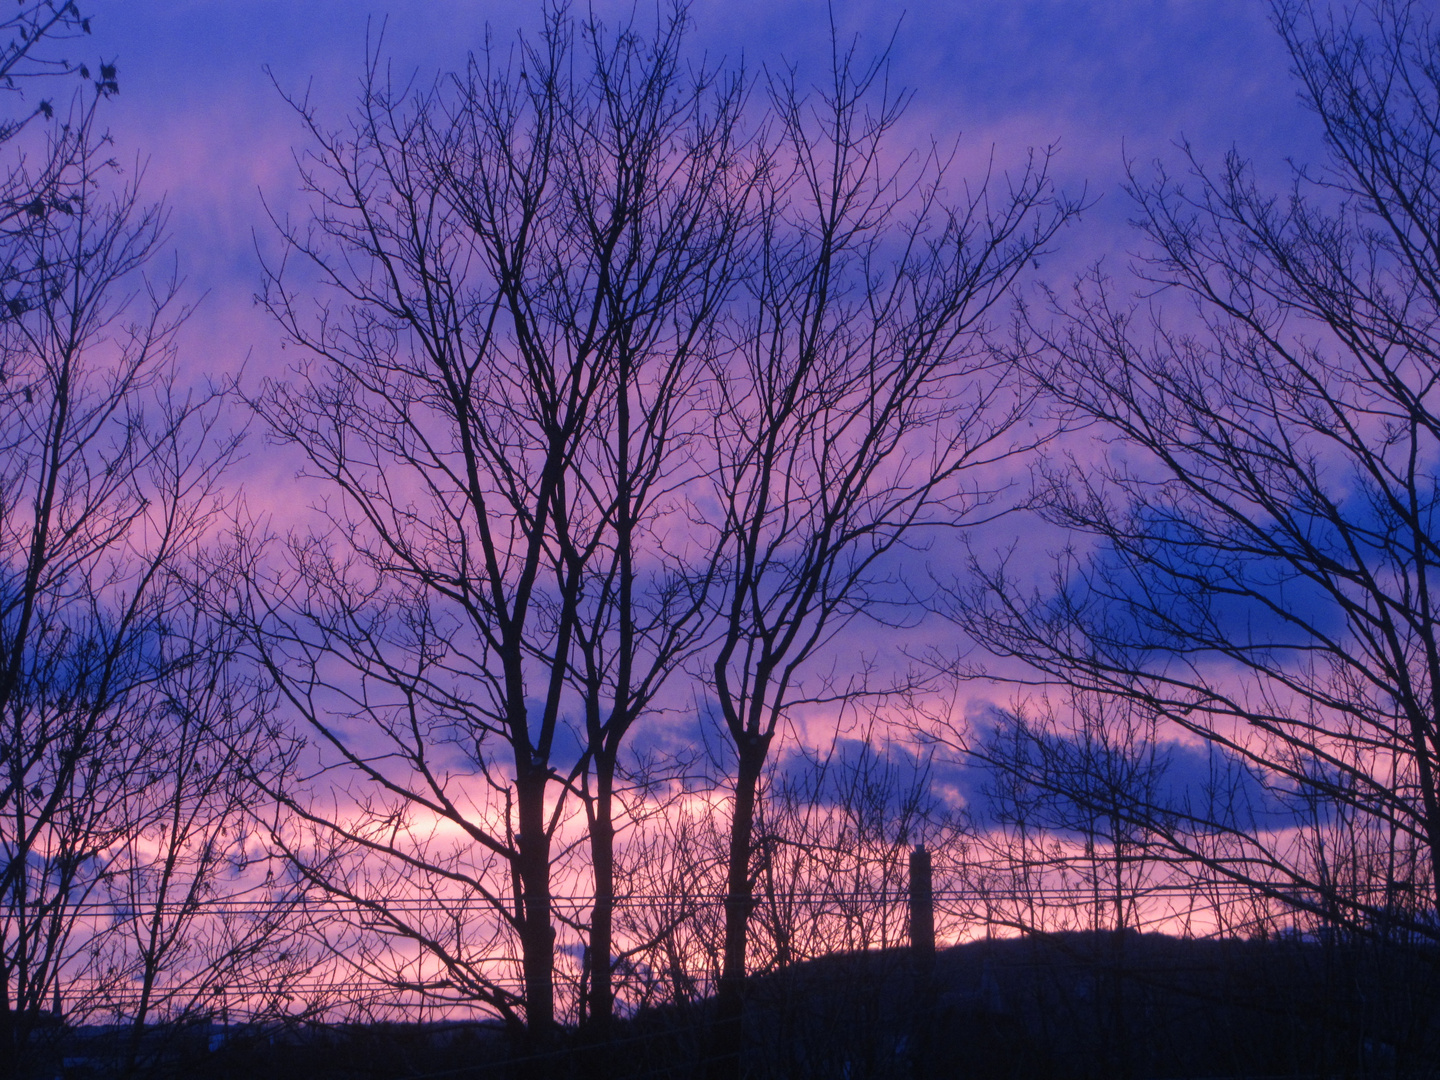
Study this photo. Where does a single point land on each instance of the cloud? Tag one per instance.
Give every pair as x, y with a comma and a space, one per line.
1060, 775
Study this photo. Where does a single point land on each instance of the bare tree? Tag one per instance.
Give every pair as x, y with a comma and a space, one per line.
109, 474
859, 409
121, 811
667, 154
30, 62
1068, 797
1263, 572
1071, 802
196, 913
526, 262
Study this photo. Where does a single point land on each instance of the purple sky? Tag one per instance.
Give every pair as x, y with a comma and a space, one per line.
1104, 78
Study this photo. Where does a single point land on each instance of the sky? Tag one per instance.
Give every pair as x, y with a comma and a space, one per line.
1105, 80
1112, 86
1109, 84
201, 111
202, 114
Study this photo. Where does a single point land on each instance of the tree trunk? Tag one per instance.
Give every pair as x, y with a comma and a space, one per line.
10, 1057
726, 1043
537, 936
601, 997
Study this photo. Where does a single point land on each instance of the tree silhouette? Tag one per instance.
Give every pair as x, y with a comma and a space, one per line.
1263, 495
527, 262
109, 479
861, 408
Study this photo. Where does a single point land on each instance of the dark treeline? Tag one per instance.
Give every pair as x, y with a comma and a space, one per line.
638, 394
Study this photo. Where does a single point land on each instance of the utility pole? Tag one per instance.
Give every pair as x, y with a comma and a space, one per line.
922, 913
922, 959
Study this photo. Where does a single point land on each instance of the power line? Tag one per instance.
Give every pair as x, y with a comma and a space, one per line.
1083, 892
